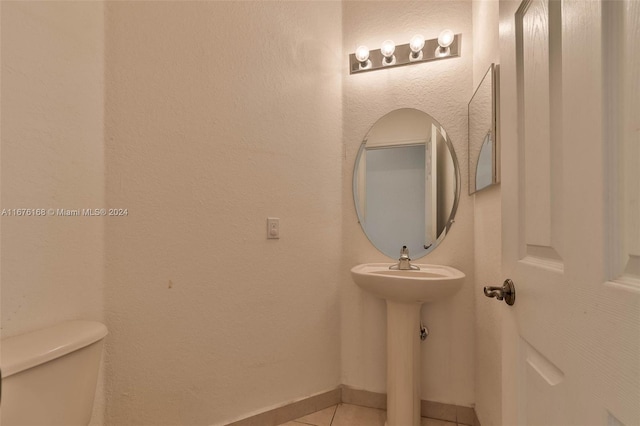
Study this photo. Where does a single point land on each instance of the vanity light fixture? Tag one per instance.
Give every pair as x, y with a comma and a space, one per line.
447, 45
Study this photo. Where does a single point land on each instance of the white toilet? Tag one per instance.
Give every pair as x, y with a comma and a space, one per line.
49, 376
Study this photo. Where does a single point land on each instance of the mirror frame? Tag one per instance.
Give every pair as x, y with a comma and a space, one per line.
494, 70
458, 190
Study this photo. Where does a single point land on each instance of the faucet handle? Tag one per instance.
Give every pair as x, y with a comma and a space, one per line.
404, 251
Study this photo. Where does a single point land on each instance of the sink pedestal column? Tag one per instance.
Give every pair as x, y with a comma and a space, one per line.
403, 364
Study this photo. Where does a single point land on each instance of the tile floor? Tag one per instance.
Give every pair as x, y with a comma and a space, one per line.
353, 415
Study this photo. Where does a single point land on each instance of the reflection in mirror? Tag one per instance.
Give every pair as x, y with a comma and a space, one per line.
485, 162
406, 183
483, 150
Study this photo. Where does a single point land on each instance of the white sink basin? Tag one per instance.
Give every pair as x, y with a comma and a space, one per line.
430, 283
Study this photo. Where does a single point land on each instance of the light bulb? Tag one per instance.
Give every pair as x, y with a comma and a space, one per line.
387, 49
417, 43
445, 38
362, 53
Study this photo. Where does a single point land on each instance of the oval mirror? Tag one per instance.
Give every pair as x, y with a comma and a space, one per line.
406, 183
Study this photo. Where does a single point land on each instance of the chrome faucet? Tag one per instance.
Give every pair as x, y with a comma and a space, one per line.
404, 263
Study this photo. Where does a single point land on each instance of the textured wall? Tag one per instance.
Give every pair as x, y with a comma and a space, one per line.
441, 89
488, 244
52, 157
213, 124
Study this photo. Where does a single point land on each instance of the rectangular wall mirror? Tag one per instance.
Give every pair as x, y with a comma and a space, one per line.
484, 151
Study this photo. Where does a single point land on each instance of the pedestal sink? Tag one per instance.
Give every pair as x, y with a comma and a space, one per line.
405, 291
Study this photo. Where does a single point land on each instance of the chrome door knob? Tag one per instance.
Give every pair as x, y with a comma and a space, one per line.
507, 292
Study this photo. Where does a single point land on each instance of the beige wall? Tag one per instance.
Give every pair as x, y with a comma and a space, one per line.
52, 157
441, 89
487, 240
220, 114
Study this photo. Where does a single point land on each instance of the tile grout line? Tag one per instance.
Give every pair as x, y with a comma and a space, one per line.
334, 414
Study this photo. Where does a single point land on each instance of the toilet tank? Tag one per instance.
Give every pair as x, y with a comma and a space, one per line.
49, 376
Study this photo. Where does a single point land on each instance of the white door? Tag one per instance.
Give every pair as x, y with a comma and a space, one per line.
570, 132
